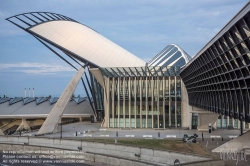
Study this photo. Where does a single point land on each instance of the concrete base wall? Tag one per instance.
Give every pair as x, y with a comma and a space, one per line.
147, 155
99, 158
111, 160
206, 163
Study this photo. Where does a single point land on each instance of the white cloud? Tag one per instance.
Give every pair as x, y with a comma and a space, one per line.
35, 68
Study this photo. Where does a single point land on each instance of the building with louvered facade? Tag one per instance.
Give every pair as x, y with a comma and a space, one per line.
171, 90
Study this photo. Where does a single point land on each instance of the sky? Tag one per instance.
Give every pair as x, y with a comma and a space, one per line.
143, 27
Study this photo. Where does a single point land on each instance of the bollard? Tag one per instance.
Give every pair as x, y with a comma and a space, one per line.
202, 134
222, 139
76, 133
212, 139
159, 135
116, 137
202, 139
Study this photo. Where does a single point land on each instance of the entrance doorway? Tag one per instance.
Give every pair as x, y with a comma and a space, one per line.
194, 121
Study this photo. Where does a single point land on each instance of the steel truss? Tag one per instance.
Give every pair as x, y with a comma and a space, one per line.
218, 77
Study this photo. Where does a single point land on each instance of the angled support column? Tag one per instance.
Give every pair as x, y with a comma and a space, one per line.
1, 132
56, 113
23, 125
237, 144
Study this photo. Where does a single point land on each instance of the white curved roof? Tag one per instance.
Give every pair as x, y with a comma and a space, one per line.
86, 43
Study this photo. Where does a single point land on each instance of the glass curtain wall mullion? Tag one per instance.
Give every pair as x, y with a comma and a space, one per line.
163, 99
166, 100
113, 101
129, 104
158, 104
169, 98
135, 98
175, 101
123, 101
152, 100
149, 98
141, 102
146, 102
179, 106
107, 117
118, 101
110, 102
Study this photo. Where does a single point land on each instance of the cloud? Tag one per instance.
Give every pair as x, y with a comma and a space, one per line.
35, 68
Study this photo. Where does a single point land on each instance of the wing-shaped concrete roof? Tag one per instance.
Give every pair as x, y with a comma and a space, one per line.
86, 43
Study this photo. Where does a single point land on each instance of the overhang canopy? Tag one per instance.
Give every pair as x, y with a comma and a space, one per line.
86, 43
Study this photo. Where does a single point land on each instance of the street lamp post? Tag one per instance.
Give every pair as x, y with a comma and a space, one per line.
60, 124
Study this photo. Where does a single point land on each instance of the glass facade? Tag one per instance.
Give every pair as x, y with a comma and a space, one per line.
172, 55
148, 98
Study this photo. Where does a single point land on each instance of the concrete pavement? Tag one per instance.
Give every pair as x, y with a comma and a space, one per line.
87, 129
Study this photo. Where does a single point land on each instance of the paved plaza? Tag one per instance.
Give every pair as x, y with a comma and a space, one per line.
87, 129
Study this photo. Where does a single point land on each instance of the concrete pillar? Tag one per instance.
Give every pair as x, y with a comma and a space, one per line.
186, 115
23, 125
80, 119
216, 123
58, 126
57, 111
107, 89
123, 102
1, 132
